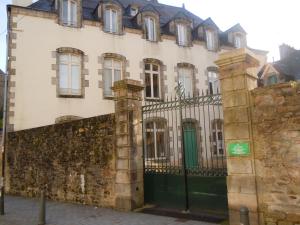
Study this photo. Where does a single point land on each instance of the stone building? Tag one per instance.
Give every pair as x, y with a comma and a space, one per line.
64, 55
2, 82
284, 70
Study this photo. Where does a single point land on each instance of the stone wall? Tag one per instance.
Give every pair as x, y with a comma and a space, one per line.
75, 159
276, 136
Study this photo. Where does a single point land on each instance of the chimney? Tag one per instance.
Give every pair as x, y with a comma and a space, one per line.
23, 3
285, 51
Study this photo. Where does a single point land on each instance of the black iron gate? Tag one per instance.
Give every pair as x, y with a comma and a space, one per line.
184, 154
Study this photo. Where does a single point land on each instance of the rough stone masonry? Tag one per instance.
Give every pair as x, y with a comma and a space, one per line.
75, 160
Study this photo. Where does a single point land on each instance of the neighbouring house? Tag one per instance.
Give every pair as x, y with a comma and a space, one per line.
284, 70
64, 55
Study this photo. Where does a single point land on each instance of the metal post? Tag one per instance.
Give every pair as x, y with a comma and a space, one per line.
42, 215
244, 216
180, 93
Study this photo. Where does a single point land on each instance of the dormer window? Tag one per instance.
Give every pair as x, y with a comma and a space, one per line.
182, 34
150, 29
237, 41
133, 11
110, 21
210, 40
69, 12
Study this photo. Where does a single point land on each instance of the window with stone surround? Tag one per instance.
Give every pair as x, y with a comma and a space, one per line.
112, 72
150, 26
186, 77
70, 74
213, 80
217, 138
111, 14
211, 40
152, 80
156, 139
70, 13
182, 36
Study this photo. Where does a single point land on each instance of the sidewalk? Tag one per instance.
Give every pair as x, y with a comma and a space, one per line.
24, 211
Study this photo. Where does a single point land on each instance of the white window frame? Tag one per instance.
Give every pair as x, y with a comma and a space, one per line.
108, 24
152, 73
219, 144
213, 82
210, 40
150, 30
113, 69
182, 34
154, 130
184, 74
67, 19
69, 63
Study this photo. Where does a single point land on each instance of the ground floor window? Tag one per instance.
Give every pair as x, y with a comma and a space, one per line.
217, 140
155, 139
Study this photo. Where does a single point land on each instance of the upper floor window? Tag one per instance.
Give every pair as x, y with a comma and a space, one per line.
111, 20
152, 80
133, 11
213, 82
112, 73
210, 40
182, 34
185, 78
150, 29
237, 41
70, 74
69, 12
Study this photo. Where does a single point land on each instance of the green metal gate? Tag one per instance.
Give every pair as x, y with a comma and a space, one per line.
184, 154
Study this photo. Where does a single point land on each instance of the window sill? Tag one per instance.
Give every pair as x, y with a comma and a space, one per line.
70, 96
108, 97
154, 100
113, 33
69, 25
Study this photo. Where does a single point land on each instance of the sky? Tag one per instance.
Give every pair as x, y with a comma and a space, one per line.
268, 23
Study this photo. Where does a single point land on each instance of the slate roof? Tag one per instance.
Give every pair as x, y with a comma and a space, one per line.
166, 12
1, 72
289, 66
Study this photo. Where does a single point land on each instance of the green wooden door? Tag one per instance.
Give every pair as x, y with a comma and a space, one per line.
190, 146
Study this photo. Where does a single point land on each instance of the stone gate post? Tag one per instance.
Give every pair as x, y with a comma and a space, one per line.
129, 162
238, 77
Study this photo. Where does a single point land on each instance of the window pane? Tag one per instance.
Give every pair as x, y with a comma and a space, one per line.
215, 150
107, 20
64, 58
75, 59
65, 11
155, 86
117, 64
147, 66
149, 125
117, 75
73, 13
160, 124
221, 151
150, 145
214, 136
160, 144
107, 82
63, 78
220, 136
107, 63
188, 86
76, 84
148, 85
155, 67
114, 21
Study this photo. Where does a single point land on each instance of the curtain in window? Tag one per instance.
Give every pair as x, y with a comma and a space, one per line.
182, 34
65, 17
210, 40
112, 73
73, 9
150, 29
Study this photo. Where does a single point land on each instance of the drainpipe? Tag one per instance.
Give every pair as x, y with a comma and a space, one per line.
3, 141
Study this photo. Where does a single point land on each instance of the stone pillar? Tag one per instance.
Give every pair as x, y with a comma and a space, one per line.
238, 77
129, 162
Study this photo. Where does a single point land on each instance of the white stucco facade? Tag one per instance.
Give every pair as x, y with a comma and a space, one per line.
35, 102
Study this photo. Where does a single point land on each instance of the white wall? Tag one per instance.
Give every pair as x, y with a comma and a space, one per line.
36, 103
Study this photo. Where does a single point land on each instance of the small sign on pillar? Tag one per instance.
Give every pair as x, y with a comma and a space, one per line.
239, 149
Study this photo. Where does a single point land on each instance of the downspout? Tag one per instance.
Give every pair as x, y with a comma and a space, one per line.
4, 131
